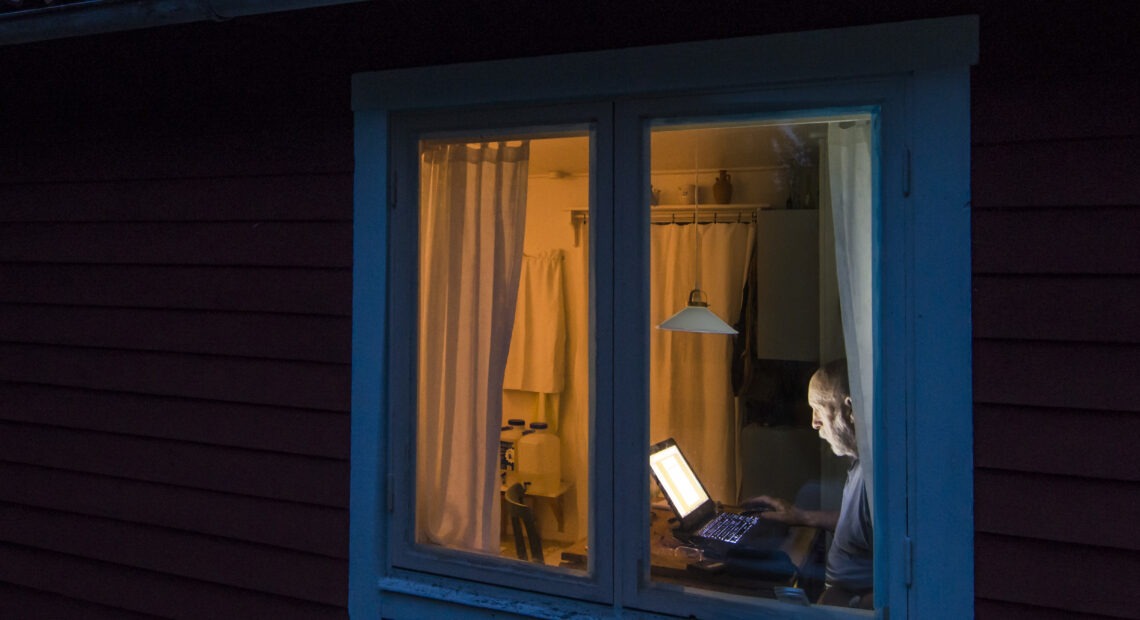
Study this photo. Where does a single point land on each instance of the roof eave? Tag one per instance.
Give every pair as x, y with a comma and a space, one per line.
89, 18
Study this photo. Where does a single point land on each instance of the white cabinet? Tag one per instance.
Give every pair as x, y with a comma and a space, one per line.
787, 276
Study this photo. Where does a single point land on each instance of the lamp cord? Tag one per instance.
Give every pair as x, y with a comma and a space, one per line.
697, 209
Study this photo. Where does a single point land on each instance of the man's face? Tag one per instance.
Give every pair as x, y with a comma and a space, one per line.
834, 420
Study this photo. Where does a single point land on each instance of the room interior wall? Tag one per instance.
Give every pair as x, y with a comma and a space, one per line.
550, 197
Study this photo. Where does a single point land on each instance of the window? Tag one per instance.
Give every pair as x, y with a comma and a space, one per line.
513, 257
499, 454
503, 396
744, 220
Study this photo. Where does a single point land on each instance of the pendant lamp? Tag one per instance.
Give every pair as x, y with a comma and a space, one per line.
696, 317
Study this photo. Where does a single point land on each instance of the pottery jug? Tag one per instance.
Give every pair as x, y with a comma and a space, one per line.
722, 188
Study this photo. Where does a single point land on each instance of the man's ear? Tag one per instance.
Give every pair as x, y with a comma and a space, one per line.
848, 409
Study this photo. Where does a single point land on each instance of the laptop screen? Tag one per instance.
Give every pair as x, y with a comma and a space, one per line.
677, 479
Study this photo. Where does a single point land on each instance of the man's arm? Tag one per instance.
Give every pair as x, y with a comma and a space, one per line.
776, 509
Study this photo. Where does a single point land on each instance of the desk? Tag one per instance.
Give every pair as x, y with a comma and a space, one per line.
669, 562
803, 546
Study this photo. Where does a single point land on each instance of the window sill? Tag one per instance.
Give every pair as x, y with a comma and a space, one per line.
424, 592
435, 589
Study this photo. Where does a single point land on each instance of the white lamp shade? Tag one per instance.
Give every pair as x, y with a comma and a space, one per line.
697, 318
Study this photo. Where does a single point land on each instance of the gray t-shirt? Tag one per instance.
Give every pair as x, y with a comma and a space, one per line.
849, 560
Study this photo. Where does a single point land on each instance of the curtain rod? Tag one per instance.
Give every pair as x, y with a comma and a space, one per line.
683, 214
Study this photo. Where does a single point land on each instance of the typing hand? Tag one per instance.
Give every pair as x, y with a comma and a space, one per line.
771, 508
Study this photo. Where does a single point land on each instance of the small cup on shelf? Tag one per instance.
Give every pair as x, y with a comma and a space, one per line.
687, 194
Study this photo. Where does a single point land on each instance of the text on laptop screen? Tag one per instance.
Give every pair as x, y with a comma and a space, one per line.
677, 480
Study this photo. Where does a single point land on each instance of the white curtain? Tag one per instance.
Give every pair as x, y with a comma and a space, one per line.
473, 209
691, 395
536, 364
849, 190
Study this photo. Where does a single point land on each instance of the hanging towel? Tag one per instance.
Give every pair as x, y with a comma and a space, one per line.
536, 362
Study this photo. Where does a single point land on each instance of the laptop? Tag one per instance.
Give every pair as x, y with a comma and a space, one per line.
701, 522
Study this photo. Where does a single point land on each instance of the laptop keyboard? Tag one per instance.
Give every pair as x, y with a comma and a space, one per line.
728, 527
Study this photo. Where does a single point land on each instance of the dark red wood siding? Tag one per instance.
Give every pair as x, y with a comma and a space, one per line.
175, 295
174, 366
1056, 199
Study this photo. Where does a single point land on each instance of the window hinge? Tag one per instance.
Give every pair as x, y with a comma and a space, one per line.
906, 174
908, 561
391, 499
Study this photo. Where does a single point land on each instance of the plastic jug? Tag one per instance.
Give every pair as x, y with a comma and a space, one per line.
508, 449
540, 461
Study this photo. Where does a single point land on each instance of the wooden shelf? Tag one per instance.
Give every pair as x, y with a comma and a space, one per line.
664, 214
683, 214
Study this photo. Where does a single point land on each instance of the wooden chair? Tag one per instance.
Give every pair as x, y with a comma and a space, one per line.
522, 517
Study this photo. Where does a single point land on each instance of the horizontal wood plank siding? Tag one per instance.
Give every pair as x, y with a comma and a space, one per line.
1026, 241
16, 602
297, 431
285, 524
174, 367
273, 244
183, 152
234, 379
1058, 308
1031, 105
1056, 340
255, 289
986, 609
284, 198
1013, 503
255, 567
1080, 578
232, 470
1056, 374
296, 337
1093, 171
146, 591
1068, 442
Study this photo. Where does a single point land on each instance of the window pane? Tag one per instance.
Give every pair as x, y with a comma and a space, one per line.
745, 298
503, 376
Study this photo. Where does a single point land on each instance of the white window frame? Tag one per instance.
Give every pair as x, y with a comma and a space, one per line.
916, 76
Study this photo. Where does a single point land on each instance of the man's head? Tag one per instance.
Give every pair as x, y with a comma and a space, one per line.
831, 412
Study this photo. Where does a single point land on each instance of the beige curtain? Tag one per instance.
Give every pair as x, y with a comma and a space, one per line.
473, 208
536, 365
691, 396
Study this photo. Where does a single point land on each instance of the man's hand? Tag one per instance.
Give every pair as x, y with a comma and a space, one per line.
773, 509
776, 509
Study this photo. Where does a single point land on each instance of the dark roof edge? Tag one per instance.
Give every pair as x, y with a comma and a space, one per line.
82, 19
